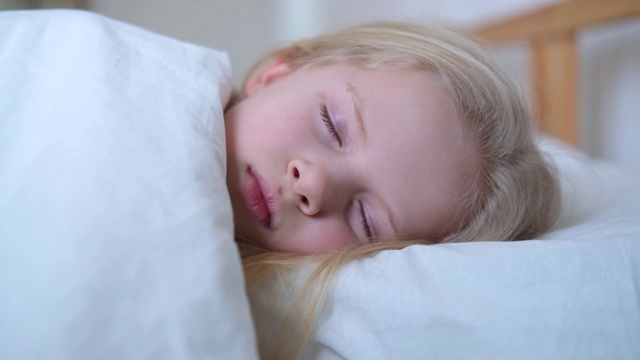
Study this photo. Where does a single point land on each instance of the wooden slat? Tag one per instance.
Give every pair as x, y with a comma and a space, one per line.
551, 33
554, 72
559, 19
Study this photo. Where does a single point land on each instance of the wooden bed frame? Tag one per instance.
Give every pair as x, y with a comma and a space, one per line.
551, 34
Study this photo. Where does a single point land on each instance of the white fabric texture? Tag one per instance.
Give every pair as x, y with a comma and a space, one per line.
116, 235
573, 294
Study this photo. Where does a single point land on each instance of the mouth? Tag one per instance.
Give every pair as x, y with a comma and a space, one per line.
259, 198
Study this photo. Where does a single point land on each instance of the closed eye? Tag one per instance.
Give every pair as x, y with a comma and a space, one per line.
364, 222
326, 119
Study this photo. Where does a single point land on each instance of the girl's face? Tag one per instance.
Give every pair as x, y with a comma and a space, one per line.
334, 155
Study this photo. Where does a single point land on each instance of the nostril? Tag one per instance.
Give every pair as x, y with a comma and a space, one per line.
305, 201
296, 173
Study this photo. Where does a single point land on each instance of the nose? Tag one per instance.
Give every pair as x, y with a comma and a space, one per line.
310, 183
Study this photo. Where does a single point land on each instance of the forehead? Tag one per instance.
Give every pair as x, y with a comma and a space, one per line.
420, 153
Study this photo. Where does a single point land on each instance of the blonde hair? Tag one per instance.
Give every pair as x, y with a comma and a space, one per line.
516, 196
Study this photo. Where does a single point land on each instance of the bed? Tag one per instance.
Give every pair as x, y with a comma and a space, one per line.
116, 242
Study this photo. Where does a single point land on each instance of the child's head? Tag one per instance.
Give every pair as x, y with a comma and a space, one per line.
384, 132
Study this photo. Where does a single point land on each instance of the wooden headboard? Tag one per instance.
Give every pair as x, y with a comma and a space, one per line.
551, 34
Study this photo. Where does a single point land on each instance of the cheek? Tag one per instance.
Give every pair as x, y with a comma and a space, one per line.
277, 129
271, 121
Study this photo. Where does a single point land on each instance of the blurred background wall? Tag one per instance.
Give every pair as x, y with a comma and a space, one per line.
610, 54
247, 28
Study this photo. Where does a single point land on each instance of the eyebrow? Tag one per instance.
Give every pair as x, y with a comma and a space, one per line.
357, 108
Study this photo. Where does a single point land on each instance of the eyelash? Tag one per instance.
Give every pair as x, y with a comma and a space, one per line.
364, 222
326, 119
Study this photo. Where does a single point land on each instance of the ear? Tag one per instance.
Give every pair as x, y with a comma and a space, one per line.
265, 76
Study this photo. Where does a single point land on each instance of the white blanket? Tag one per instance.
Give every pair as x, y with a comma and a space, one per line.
116, 236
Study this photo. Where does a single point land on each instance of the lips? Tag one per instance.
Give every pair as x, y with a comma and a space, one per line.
259, 198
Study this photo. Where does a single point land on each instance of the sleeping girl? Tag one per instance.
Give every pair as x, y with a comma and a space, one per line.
376, 137
383, 133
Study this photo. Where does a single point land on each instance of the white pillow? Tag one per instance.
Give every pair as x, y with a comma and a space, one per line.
571, 296
116, 235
